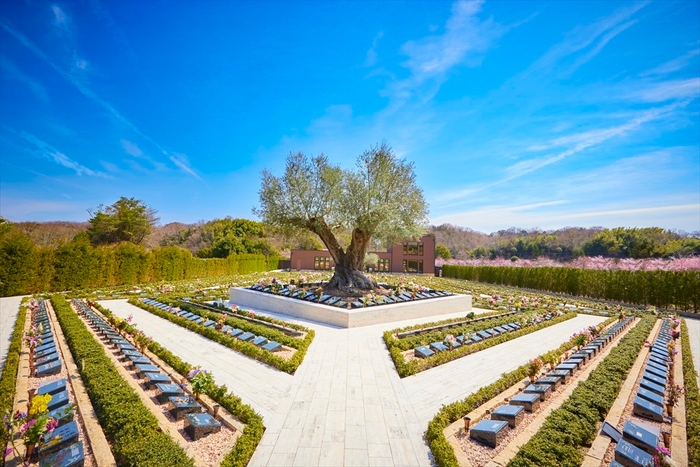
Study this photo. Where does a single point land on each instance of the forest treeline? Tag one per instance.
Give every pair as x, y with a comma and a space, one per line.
567, 243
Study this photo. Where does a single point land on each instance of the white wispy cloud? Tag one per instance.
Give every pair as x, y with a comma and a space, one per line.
371, 56
183, 163
108, 107
607, 37
665, 90
131, 148
45, 150
61, 21
464, 41
672, 65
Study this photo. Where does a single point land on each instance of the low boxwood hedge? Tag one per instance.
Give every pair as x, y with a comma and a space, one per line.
8, 381
574, 424
692, 399
246, 348
250, 438
442, 450
397, 347
131, 429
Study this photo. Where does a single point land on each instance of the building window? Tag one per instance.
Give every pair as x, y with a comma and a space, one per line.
322, 263
412, 265
413, 248
383, 265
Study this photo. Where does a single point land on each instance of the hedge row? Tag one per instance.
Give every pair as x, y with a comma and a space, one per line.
131, 429
396, 346
442, 450
252, 433
664, 289
574, 424
246, 348
8, 381
692, 399
26, 268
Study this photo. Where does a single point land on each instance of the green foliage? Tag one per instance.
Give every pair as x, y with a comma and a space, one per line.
127, 220
17, 258
664, 289
441, 251
9, 371
246, 348
651, 242
692, 399
234, 236
131, 428
573, 425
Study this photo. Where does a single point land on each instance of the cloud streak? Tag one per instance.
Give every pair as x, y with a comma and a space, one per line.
45, 150
109, 108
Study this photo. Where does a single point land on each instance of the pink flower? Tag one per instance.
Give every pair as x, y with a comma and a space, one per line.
8, 451
51, 425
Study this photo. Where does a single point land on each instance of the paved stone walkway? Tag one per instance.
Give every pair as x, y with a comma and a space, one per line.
346, 405
9, 306
694, 340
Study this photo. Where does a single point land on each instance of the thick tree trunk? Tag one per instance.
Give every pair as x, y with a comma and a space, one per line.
348, 264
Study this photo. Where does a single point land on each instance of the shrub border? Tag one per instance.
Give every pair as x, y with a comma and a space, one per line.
442, 450
692, 399
246, 348
248, 442
132, 429
405, 368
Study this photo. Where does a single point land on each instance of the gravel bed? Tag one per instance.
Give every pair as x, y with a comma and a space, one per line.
35, 382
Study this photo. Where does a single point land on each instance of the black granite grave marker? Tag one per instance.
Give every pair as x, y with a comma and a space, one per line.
645, 409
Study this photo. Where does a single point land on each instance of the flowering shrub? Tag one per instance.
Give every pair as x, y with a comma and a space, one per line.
663, 458
586, 262
533, 367
675, 392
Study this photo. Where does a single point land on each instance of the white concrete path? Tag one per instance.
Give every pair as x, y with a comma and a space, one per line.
346, 404
694, 340
9, 306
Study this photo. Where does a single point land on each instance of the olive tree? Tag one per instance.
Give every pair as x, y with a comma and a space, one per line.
378, 199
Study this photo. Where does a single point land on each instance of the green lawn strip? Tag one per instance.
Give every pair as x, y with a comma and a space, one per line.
8, 381
574, 425
692, 399
253, 431
246, 348
132, 430
442, 450
398, 346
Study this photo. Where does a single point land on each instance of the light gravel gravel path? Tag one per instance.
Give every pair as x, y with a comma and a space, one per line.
346, 404
694, 340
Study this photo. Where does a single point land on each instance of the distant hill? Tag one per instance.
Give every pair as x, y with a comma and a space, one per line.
52, 233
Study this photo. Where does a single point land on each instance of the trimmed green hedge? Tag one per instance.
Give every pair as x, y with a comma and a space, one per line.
574, 424
442, 450
252, 433
131, 429
665, 289
26, 268
692, 399
8, 381
246, 348
398, 346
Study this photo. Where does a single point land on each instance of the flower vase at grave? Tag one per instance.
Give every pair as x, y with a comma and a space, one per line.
667, 438
669, 409
196, 396
30, 455
532, 380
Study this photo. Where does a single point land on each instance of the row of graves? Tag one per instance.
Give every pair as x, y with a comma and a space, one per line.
258, 341
198, 422
451, 342
492, 432
314, 293
641, 435
60, 447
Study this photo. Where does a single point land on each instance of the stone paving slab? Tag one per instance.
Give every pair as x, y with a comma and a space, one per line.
9, 307
694, 336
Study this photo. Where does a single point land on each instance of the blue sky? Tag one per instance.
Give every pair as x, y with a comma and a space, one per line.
528, 114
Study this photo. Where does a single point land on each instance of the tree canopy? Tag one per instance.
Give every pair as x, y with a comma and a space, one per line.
127, 220
378, 199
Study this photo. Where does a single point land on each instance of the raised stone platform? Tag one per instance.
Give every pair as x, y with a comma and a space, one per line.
350, 318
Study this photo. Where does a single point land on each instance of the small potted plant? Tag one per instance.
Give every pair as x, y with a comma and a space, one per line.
533, 368
201, 380
675, 392
30, 427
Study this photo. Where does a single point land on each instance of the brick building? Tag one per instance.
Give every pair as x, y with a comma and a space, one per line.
410, 256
